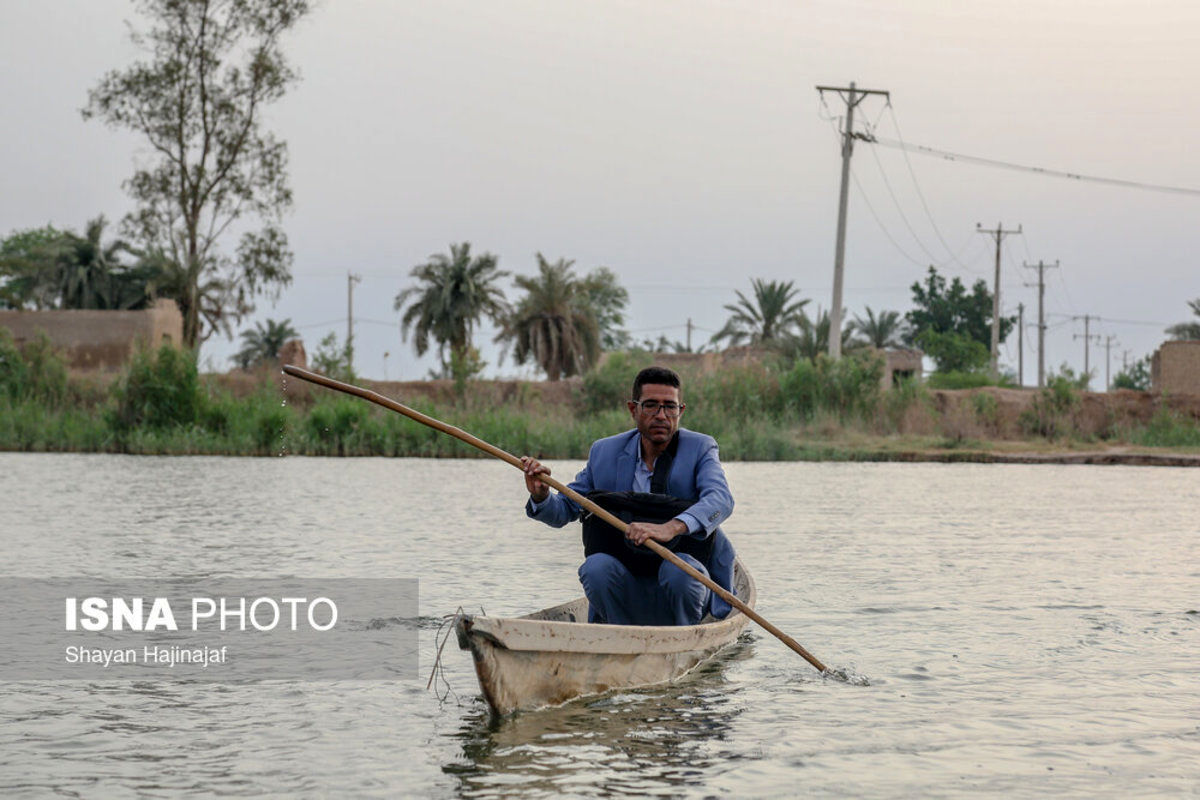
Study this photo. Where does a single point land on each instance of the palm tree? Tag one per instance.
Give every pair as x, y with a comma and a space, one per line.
1187, 330
880, 331
607, 299
813, 339
453, 293
262, 344
773, 315
553, 324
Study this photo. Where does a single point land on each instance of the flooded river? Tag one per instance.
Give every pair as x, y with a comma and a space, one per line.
1017, 630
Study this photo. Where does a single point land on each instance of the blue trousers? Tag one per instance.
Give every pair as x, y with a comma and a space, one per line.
618, 597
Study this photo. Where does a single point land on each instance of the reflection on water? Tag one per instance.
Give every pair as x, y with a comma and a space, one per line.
653, 740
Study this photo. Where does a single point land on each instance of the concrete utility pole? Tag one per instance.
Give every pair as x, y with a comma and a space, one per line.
689, 335
1041, 284
998, 235
351, 279
1108, 343
1087, 342
852, 95
1020, 345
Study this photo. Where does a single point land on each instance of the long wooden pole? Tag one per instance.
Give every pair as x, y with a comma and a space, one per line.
616, 522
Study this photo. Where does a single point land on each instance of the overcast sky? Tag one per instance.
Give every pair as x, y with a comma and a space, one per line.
682, 145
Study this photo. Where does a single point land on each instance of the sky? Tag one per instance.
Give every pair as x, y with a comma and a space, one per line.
683, 146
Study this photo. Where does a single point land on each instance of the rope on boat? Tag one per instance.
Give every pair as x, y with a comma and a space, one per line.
439, 672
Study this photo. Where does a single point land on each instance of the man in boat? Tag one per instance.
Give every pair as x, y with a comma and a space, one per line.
658, 472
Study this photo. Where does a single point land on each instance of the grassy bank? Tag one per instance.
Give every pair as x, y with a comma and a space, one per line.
758, 412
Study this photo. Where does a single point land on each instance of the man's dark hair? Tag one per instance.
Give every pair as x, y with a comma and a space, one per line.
660, 376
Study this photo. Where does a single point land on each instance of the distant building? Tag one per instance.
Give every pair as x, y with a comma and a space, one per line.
900, 364
98, 340
1175, 368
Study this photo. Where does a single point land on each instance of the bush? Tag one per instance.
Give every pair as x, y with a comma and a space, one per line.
1049, 414
960, 380
610, 384
1136, 376
333, 425
34, 372
743, 392
987, 409
1168, 429
159, 389
847, 387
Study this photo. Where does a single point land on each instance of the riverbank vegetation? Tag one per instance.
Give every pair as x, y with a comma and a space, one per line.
757, 409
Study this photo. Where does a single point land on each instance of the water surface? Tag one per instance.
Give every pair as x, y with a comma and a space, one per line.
1028, 630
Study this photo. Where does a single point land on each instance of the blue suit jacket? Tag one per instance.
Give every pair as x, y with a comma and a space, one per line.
695, 472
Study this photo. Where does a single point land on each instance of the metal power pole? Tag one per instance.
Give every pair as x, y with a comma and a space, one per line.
351, 279
998, 235
1087, 347
1041, 284
1020, 345
852, 95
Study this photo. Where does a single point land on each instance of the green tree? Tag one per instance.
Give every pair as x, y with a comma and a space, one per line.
1136, 376
48, 268
944, 309
334, 360
198, 101
553, 324
952, 351
28, 268
452, 295
884, 330
774, 313
1187, 330
261, 344
607, 299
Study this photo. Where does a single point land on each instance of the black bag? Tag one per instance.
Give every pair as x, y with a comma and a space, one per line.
601, 537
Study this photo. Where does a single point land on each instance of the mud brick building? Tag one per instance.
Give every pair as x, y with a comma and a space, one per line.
98, 340
1175, 368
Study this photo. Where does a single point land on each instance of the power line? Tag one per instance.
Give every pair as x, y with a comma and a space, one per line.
321, 324
1115, 321
904, 217
1054, 173
863, 194
921, 195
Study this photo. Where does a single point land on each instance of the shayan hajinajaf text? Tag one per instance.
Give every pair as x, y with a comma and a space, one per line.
158, 655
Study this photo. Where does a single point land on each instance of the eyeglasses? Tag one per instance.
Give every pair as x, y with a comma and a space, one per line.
652, 407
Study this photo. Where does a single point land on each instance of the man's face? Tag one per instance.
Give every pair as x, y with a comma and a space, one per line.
657, 426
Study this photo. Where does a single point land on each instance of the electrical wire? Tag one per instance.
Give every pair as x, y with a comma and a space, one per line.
1054, 173
904, 217
921, 194
879, 222
320, 324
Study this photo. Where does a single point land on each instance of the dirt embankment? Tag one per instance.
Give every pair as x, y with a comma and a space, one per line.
522, 394
995, 413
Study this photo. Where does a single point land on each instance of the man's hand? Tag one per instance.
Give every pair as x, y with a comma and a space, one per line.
537, 490
639, 532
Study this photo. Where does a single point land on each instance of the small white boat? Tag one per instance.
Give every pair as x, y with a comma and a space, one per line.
555, 655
